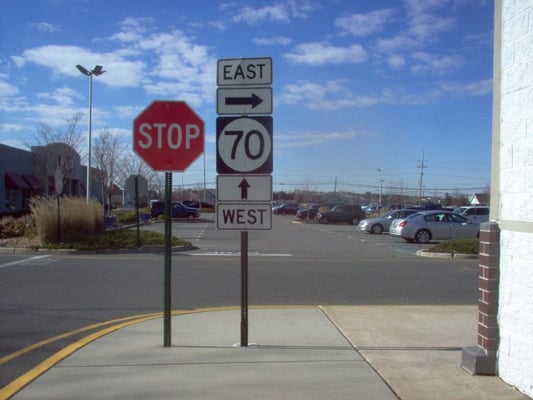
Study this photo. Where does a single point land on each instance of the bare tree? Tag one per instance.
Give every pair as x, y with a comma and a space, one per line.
131, 164
107, 150
68, 135
56, 152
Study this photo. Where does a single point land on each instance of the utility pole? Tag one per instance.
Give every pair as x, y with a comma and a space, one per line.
380, 170
421, 165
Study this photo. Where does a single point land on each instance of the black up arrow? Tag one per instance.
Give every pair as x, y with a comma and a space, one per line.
253, 101
244, 185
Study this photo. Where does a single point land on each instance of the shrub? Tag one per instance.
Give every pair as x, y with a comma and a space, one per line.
77, 218
461, 246
11, 227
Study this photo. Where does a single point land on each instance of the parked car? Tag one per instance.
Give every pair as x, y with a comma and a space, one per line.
370, 208
286, 208
424, 226
382, 224
198, 204
179, 210
349, 213
308, 212
474, 213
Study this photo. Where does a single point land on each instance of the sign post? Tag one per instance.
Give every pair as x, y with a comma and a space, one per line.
169, 137
244, 155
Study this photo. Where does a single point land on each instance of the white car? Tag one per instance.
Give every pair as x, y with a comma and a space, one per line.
382, 224
424, 226
474, 213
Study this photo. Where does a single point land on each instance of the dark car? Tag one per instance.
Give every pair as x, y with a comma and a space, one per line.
198, 204
349, 213
179, 210
287, 208
308, 212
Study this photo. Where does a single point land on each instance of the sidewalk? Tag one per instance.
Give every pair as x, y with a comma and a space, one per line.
406, 352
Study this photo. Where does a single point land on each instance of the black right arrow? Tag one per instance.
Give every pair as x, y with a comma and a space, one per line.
244, 185
253, 101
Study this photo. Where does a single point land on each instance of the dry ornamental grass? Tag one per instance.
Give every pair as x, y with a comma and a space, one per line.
75, 219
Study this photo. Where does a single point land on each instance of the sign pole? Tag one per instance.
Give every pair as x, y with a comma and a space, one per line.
244, 288
168, 260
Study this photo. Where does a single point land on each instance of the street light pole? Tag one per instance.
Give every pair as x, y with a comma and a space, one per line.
380, 170
96, 71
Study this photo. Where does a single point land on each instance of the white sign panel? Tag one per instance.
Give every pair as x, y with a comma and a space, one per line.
244, 100
244, 187
244, 71
244, 216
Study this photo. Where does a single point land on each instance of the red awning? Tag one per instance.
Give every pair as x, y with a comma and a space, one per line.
32, 181
15, 181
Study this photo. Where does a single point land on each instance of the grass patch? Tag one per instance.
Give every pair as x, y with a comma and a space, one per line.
119, 239
124, 217
460, 246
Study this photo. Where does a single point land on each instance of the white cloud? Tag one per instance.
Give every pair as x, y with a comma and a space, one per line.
478, 88
426, 63
252, 15
7, 89
46, 27
396, 61
306, 139
280, 12
275, 40
364, 24
331, 95
316, 53
10, 128
62, 96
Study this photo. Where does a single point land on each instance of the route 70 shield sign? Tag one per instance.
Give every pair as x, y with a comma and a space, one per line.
244, 145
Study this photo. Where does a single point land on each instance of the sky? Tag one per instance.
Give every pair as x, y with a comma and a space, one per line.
366, 94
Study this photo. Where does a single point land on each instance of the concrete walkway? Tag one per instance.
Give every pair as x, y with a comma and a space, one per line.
333, 352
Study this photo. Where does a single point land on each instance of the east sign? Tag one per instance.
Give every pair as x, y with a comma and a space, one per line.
168, 136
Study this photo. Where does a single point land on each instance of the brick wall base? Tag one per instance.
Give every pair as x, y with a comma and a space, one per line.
482, 359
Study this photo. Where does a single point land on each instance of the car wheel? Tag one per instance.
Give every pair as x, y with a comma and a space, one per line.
355, 221
377, 229
323, 220
423, 236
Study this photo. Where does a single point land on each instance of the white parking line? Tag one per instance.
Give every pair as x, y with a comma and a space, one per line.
23, 261
238, 254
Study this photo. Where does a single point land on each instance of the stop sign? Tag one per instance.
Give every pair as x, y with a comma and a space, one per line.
168, 136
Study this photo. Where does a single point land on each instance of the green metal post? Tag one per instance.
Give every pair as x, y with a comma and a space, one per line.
168, 259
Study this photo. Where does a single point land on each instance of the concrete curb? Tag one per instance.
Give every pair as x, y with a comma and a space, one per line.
432, 254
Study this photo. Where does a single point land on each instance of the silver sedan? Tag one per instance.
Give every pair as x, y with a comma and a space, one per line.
425, 226
382, 224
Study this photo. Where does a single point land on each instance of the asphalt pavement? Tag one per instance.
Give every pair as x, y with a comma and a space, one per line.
301, 352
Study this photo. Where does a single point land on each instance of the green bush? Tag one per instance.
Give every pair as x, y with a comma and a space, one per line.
460, 246
76, 219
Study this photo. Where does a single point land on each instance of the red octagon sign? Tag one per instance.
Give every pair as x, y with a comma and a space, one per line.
168, 136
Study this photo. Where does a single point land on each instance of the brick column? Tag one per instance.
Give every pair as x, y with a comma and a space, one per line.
482, 359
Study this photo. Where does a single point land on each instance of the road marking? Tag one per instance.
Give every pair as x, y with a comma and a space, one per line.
238, 254
23, 261
42, 343
22, 381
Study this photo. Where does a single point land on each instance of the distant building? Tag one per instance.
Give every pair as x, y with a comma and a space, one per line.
479, 199
40, 171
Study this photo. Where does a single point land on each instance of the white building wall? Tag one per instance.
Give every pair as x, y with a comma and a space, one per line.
515, 188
